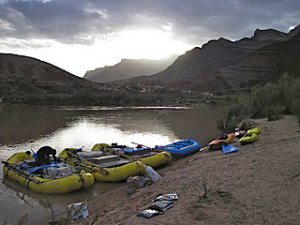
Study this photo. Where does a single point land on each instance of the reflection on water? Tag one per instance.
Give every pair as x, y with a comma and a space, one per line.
24, 201
38, 205
23, 128
22, 123
78, 128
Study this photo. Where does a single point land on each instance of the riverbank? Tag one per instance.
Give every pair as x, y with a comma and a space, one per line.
257, 185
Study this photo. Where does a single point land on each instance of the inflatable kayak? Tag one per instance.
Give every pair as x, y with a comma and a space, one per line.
248, 138
255, 130
57, 178
103, 166
181, 148
218, 143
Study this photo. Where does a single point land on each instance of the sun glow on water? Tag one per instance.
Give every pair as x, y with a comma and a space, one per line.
85, 133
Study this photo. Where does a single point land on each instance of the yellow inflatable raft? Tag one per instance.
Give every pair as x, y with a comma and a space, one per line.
153, 158
104, 167
13, 169
150, 157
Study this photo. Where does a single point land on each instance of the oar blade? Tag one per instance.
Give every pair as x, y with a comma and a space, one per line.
229, 148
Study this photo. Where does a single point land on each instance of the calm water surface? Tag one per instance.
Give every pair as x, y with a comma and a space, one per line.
25, 127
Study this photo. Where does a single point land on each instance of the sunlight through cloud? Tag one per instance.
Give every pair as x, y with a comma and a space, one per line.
148, 43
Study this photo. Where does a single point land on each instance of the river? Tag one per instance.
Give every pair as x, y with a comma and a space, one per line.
31, 127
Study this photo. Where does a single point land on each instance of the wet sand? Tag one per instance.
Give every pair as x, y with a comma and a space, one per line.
260, 184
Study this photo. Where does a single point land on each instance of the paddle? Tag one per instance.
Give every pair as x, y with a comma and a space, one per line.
228, 148
204, 148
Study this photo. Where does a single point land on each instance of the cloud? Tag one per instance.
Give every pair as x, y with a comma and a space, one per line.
191, 21
65, 21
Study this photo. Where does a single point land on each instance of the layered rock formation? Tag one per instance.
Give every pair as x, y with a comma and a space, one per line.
223, 64
128, 68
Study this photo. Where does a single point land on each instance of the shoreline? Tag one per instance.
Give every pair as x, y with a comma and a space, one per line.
259, 184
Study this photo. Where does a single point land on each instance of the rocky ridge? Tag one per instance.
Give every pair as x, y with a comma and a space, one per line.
128, 68
224, 65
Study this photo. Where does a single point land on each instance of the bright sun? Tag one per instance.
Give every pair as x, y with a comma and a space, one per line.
150, 44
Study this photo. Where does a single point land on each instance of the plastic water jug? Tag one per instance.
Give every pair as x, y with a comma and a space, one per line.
154, 176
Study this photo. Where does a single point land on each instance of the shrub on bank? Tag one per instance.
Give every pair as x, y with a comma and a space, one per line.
270, 100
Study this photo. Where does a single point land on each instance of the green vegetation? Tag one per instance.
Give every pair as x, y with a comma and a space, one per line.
22, 91
270, 100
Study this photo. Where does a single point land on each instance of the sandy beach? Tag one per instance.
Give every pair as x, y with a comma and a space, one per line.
259, 184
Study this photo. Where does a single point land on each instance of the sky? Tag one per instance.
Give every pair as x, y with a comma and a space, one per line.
81, 35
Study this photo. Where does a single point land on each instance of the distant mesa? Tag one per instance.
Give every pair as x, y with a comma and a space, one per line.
128, 68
